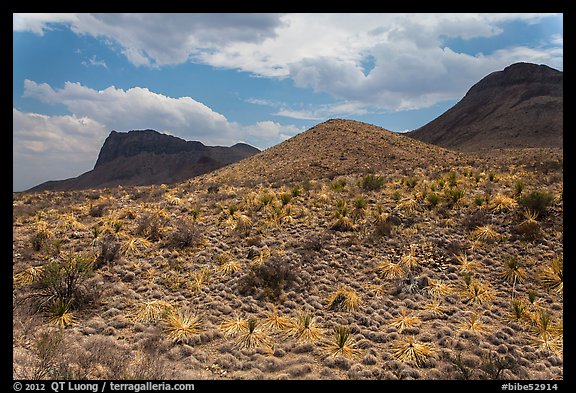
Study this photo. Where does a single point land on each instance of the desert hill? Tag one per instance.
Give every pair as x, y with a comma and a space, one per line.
149, 157
337, 147
518, 107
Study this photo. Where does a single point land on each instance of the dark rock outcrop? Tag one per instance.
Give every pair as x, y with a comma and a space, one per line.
149, 157
520, 106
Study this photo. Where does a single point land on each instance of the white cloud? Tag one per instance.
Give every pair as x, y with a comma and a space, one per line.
53, 147
321, 51
93, 61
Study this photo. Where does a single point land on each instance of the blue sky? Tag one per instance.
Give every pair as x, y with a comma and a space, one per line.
256, 78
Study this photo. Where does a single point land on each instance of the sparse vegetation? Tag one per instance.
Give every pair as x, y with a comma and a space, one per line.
431, 270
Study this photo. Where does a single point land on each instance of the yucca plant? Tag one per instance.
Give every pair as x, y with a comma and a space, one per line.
529, 226
513, 272
135, 246
60, 313
409, 205
181, 326
153, 311
435, 308
518, 310
474, 323
199, 280
234, 326
477, 293
404, 321
253, 336
438, 289
391, 271
304, 328
275, 322
243, 224
552, 276
414, 352
28, 276
548, 334
466, 265
485, 233
227, 264
501, 202
410, 261
344, 300
341, 344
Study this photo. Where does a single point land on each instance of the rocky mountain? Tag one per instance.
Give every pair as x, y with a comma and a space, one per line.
520, 106
148, 157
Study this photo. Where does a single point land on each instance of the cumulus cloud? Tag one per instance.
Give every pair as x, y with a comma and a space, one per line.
413, 67
53, 147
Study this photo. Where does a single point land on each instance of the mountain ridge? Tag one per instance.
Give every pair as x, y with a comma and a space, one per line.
518, 107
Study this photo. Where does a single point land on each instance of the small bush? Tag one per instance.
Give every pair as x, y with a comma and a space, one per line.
372, 182
61, 287
183, 236
98, 210
536, 201
109, 251
433, 199
338, 185
269, 279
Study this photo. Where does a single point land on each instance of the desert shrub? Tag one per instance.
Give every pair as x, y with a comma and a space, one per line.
285, 198
48, 350
518, 187
372, 182
109, 251
536, 201
338, 185
184, 235
452, 182
98, 210
494, 364
410, 182
151, 225
453, 195
268, 279
433, 199
61, 288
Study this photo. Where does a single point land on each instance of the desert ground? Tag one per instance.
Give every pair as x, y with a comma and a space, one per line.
450, 270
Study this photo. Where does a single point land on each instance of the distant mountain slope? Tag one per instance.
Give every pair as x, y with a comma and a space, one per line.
335, 147
520, 106
149, 157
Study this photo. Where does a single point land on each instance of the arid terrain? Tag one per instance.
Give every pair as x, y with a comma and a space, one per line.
346, 252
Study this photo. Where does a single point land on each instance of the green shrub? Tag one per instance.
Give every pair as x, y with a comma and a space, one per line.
372, 182
433, 199
536, 201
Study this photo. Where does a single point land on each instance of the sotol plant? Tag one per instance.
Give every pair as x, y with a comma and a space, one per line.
342, 344
414, 352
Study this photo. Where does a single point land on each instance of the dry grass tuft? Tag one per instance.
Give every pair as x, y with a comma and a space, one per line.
304, 329
552, 276
234, 326
181, 325
344, 300
342, 344
405, 320
390, 271
485, 233
414, 352
474, 323
153, 311
28, 276
253, 336
276, 323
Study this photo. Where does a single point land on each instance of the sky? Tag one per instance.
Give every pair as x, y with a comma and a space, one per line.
238, 77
